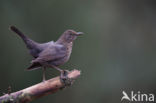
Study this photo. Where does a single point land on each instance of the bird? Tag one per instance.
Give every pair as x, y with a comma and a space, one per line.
50, 54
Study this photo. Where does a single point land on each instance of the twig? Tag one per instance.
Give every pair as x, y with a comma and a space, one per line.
36, 91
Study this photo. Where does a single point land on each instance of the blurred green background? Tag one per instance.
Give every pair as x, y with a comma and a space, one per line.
116, 53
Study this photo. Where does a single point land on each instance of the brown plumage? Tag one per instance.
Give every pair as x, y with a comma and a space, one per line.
50, 54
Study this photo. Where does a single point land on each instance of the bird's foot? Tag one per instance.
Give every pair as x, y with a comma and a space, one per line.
64, 78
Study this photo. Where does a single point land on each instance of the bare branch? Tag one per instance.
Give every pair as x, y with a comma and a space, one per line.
36, 91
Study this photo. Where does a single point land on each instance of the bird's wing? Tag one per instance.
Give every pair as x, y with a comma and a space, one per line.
45, 45
51, 53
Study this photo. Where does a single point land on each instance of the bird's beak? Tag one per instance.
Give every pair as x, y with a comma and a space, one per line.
79, 33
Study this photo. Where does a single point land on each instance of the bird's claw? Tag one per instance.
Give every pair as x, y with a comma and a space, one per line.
64, 78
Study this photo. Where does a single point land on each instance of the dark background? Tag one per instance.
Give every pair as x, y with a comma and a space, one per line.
116, 53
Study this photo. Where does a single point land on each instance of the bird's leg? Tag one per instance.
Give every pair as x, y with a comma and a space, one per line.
65, 72
44, 78
57, 68
64, 76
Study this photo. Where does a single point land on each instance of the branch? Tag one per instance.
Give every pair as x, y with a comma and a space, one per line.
42, 89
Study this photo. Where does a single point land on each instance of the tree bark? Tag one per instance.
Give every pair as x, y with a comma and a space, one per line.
42, 89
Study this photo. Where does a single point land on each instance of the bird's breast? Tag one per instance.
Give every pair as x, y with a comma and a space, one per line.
65, 58
69, 50
68, 53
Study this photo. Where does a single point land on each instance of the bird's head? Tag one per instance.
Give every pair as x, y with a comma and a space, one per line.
69, 36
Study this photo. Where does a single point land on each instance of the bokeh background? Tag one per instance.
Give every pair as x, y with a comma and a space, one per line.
116, 53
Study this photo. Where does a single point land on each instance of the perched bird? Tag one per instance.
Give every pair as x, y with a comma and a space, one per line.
51, 54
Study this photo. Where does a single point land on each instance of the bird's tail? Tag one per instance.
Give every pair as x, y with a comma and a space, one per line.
30, 43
